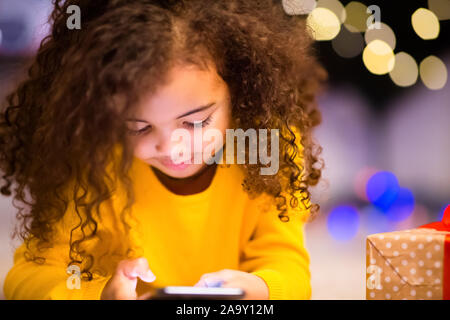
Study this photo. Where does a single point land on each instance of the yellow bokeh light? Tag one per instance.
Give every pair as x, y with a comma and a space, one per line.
385, 34
356, 16
348, 44
323, 24
441, 8
335, 6
425, 24
406, 71
433, 72
298, 7
378, 57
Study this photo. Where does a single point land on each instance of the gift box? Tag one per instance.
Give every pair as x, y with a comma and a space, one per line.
411, 264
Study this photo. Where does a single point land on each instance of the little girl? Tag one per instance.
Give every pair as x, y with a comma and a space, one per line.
108, 212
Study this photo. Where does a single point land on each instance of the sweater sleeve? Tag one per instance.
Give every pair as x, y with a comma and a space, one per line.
28, 280
276, 253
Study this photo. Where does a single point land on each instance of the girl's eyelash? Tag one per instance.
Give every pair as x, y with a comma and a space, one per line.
138, 132
204, 123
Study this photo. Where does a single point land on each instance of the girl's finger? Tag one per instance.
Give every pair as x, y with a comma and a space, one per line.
224, 274
138, 268
201, 283
211, 283
215, 275
207, 275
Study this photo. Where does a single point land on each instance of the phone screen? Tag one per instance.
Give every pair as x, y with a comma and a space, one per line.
183, 292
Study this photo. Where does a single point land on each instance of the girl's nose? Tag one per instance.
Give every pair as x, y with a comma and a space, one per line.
165, 146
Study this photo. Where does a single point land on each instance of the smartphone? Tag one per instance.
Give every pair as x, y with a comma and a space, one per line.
201, 293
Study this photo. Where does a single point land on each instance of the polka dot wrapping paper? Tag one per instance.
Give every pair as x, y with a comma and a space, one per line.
410, 264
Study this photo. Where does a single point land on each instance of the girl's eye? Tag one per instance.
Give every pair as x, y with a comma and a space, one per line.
204, 123
190, 125
138, 132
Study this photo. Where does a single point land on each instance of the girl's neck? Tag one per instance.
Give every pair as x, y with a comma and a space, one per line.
188, 186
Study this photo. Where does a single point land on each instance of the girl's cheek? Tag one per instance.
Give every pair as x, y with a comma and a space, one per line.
138, 151
142, 148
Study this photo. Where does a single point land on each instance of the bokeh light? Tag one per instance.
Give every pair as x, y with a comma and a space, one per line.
323, 24
402, 207
343, 223
384, 33
382, 189
335, 6
418, 217
441, 8
405, 71
298, 7
23, 24
378, 57
433, 73
357, 16
16, 31
425, 24
348, 44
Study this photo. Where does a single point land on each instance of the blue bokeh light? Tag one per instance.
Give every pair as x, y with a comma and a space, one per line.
23, 24
402, 207
382, 190
343, 222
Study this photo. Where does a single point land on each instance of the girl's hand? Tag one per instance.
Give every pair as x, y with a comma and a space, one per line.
255, 287
122, 285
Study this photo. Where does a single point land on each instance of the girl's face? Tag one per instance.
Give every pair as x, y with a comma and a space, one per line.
191, 95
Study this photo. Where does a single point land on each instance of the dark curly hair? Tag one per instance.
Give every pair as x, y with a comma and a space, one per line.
61, 125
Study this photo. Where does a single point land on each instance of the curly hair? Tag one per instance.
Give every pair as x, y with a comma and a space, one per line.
60, 126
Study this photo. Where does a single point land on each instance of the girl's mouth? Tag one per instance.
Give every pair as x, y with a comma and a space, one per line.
168, 163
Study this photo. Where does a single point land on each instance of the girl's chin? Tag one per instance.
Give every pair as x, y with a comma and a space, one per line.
181, 172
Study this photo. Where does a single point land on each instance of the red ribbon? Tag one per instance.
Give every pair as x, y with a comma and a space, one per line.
444, 225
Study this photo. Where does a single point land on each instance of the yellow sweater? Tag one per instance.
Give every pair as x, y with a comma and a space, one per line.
182, 238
